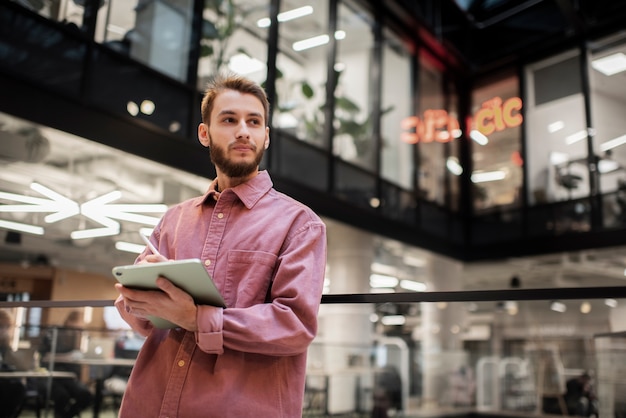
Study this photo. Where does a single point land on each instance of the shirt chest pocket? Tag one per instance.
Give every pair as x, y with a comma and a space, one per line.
248, 277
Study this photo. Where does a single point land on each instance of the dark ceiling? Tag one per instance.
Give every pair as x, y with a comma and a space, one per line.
489, 33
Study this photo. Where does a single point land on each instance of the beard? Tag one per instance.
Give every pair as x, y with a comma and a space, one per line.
229, 168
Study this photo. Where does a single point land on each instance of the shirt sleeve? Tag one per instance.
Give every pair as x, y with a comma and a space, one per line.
285, 325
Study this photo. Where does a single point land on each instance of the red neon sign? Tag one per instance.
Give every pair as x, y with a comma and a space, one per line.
437, 125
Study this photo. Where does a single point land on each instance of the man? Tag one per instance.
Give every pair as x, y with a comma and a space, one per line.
12, 391
70, 396
267, 255
580, 397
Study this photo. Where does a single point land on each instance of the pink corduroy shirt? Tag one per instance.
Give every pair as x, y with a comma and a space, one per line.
267, 255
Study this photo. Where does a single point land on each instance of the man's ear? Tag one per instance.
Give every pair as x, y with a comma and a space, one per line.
267, 138
203, 134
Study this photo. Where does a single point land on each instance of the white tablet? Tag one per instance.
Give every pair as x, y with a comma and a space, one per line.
190, 275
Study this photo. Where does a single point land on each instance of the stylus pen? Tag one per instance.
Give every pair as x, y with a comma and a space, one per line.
149, 244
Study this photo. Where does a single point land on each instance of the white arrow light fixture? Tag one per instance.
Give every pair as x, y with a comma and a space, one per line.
98, 210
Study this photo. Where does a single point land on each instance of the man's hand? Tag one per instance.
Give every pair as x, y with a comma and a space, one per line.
171, 303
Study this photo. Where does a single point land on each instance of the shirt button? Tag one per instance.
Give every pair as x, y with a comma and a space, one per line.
207, 262
181, 363
220, 215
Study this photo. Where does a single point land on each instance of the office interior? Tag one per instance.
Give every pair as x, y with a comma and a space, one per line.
453, 148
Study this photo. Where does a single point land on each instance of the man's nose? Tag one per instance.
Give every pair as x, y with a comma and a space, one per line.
243, 131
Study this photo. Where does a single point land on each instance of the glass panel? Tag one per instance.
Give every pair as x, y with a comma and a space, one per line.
608, 104
70, 12
86, 351
293, 159
498, 357
131, 90
496, 134
301, 71
398, 203
397, 155
453, 152
233, 39
353, 140
41, 51
432, 123
156, 33
556, 150
356, 186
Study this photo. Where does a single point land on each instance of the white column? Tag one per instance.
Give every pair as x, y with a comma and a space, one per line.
345, 330
442, 324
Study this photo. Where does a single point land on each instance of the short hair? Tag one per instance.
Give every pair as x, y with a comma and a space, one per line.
219, 83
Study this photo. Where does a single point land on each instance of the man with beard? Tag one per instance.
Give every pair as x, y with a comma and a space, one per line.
267, 255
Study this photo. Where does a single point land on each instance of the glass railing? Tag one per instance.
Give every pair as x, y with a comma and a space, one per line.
473, 353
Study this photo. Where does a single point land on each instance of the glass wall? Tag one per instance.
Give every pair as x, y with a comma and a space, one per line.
301, 71
353, 140
491, 357
608, 103
495, 131
234, 38
557, 142
397, 154
431, 129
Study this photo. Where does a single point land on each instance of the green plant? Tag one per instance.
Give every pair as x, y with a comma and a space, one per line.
216, 33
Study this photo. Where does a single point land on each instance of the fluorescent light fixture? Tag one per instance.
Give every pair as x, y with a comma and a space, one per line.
453, 166
611, 303
16, 226
556, 126
613, 143
393, 320
557, 158
557, 306
310, 42
244, 64
129, 247
607, 166
413, 286
98, 210
575, 137
488, 176
479, 137
611, 64
316, 41
96, 232
414, 261
384, 269
286, 16
380, 280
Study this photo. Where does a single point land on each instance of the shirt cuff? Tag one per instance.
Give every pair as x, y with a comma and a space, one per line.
209, 336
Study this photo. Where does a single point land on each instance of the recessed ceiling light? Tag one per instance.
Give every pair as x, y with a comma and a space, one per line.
611, 64
556, 126
286, 16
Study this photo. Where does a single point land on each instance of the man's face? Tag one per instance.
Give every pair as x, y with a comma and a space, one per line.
237, 135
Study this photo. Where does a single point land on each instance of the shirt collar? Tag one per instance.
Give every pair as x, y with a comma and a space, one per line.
249, 192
